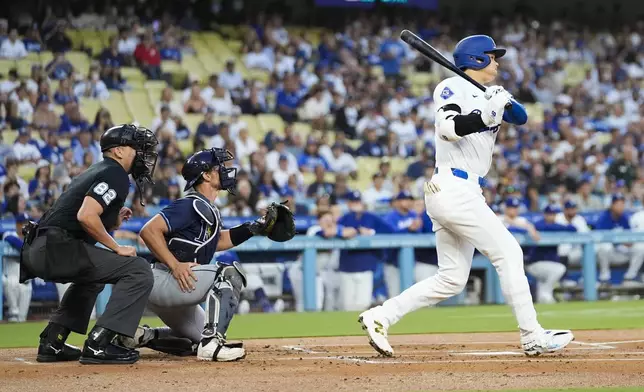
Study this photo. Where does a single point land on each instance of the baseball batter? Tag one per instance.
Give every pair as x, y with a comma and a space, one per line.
467, 122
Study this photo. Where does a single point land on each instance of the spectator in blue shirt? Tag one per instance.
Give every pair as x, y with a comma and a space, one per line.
72, 121
111, 56
417, 169
371, 147
59, 68
207, 128
170, 50
310, 158
615, 219
85, 146
32, 40
64, 93
52, 152
392, 54
38, 186
288, 99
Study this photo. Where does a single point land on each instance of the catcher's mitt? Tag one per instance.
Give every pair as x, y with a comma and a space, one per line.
277, 224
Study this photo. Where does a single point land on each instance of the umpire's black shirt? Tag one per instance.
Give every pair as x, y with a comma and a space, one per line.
107, 182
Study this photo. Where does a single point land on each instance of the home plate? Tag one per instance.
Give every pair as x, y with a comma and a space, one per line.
487, 353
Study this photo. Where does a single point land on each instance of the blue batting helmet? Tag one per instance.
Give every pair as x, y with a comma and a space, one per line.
204, 161
472, 52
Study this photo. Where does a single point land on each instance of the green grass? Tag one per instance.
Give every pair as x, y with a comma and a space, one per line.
574, 315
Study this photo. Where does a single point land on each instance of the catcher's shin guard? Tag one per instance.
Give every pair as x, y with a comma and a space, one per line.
222, 300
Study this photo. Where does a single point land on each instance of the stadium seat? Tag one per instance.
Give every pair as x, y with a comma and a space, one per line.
88, 108
27, 172
254, 129
79, 60
6, 65
9, 136
46, 57
271, 122
138, 104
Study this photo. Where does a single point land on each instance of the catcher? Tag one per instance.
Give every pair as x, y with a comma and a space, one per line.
183, 239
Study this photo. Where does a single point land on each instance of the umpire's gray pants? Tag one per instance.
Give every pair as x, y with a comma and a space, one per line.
131, 277
178, 310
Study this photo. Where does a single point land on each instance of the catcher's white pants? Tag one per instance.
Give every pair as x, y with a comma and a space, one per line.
462, 221
18, 294
609, 255
422, 271
547, 273
356, 290
62, 287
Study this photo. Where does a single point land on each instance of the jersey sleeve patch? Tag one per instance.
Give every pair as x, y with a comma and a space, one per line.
446, 93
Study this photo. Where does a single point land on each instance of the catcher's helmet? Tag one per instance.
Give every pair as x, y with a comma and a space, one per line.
472, 52
206, 160
143, 141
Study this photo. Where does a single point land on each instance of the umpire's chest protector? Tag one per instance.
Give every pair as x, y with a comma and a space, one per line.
197, 241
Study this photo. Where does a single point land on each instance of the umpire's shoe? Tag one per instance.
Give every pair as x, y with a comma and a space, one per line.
52, 347
100, 349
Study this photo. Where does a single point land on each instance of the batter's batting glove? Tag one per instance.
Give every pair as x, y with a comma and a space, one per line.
492, 91
278, 223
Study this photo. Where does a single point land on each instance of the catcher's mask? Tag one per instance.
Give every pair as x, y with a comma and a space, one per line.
204, 161
143, 141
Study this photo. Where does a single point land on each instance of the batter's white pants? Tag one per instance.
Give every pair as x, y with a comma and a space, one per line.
18, 294
422, 271
462, 221
62, 287
356, 290
547, 273
608, 255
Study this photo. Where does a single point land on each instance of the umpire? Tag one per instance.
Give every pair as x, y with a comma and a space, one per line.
61, 248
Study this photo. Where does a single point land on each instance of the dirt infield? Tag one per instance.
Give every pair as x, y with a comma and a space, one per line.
422, 362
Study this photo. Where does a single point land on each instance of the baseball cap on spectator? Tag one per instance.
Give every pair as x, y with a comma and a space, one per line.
570, 204
173, 182
495, 208
283, 157
404, 195
617, 197
620, 183
354, 196
337, 145
512, 202
551, 209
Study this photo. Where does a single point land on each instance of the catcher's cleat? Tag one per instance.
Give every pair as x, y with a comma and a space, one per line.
217, 349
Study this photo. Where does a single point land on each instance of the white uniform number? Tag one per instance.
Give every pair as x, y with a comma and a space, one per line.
102, 189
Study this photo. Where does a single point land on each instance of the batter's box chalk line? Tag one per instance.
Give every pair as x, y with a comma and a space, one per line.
599, 346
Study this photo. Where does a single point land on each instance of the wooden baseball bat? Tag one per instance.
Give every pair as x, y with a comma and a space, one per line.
428, 51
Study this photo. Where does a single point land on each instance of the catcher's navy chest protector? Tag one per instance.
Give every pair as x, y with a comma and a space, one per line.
194, 228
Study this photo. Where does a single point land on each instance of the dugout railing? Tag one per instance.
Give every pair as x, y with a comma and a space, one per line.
406, 243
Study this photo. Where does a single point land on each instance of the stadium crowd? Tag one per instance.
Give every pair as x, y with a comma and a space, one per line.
582, 144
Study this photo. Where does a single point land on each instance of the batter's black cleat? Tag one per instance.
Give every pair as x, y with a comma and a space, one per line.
100, 349
49, 352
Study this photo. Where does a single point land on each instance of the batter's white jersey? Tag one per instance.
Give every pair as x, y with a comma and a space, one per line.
472, 153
